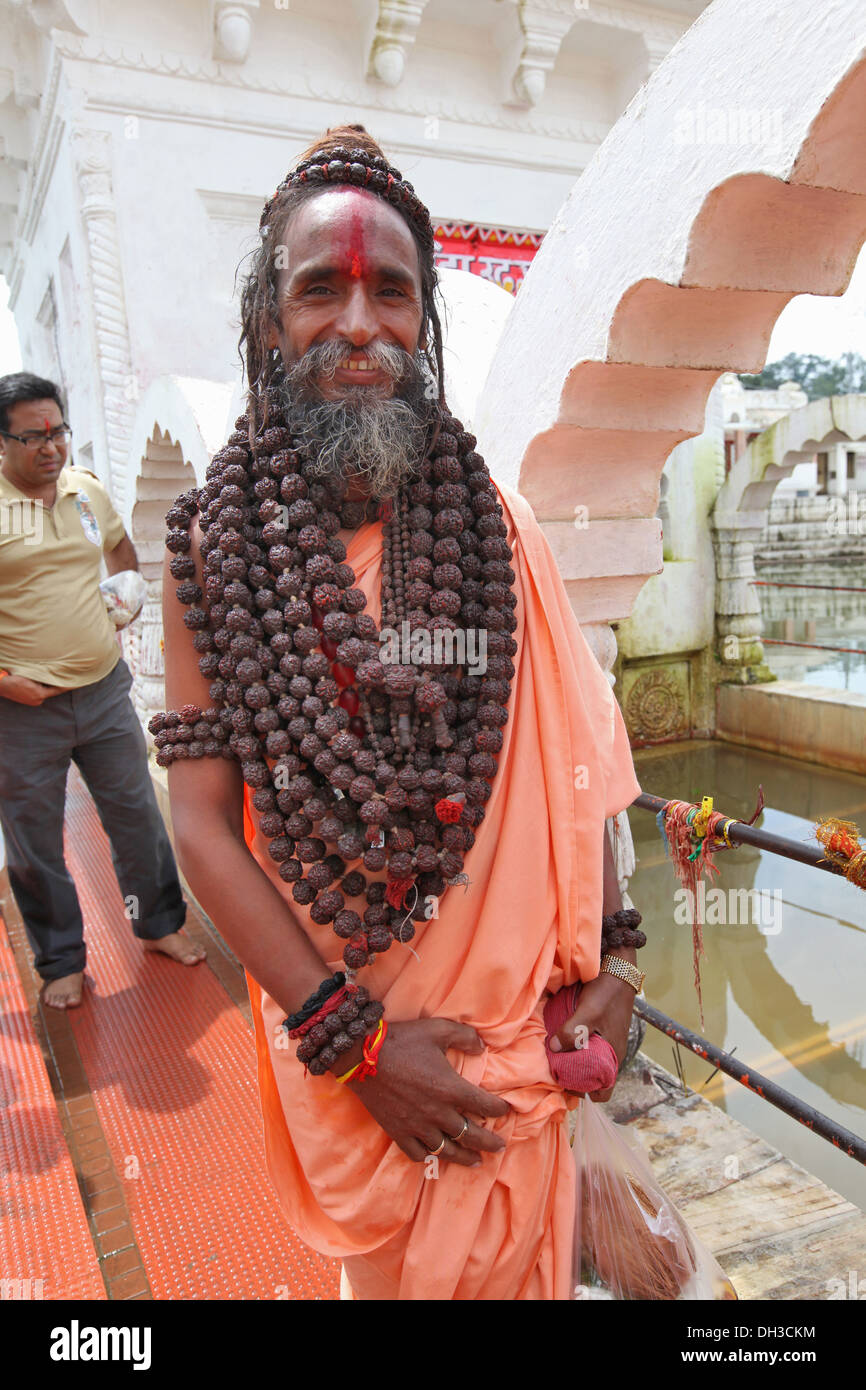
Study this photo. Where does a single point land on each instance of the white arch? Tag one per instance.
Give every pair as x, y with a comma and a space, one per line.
194, 413
669, 264
740, 513
747, 491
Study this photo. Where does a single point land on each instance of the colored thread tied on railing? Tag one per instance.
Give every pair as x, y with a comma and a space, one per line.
841, 841
692, 834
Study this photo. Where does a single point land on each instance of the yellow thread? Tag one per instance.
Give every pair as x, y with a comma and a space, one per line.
347, 1075
699, 824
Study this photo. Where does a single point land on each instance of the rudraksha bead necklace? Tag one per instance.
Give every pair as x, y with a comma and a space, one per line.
348, 758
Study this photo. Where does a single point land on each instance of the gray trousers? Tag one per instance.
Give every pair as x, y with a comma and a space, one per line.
96, 728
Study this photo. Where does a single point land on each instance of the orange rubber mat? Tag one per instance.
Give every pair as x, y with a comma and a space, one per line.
45, 1245
171, 1066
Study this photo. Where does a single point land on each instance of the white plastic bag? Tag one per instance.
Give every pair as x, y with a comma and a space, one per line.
124, 596
630, 1242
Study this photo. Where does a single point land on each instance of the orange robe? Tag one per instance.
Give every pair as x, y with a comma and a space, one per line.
529, 922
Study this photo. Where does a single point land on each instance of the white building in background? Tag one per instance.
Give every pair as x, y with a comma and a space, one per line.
838, 467
139, 141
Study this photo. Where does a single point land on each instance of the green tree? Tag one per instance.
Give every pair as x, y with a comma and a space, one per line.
818, 376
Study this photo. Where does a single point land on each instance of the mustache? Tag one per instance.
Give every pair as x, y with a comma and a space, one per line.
321, 361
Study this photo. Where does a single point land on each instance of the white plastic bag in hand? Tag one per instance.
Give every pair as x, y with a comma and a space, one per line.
124, 595
630, 1242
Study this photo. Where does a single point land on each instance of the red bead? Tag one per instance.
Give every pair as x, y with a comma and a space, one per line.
357, 726
318, 617
349, 701
329, 647
343, 675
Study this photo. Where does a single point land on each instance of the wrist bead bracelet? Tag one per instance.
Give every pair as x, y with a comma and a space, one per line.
622, 936
338, 1031
620, 929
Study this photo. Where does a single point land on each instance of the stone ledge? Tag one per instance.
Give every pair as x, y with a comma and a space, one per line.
811, 722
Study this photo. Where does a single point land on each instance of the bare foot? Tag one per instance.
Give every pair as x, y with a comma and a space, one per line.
64, 993
178, 946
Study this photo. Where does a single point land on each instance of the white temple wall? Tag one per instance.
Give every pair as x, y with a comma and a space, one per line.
142, 152
53, 308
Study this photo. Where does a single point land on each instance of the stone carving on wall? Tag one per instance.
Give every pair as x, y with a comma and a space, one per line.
324, 87
656, 702
92, 150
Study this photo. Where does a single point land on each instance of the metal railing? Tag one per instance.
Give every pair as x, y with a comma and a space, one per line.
812, 646
841, 1138
784, 584
742, 834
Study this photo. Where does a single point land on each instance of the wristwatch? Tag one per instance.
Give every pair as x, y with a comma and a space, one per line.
624, 970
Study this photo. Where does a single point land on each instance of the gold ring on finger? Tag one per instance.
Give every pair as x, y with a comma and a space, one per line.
434, 1152
455, 1138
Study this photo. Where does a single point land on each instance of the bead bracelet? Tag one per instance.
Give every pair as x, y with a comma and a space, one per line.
338, 1032
620, 929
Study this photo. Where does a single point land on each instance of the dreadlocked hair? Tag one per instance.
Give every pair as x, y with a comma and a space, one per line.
343, 155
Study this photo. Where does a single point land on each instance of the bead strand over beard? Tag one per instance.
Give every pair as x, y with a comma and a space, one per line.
351, 760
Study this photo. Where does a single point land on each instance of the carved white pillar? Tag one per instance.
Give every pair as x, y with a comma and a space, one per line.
114, 358
602, 643
142, 645
396, 29
601, 640
163, 474
739, 624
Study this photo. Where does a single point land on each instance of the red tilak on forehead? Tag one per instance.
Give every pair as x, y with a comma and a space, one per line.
47, 423
351, 243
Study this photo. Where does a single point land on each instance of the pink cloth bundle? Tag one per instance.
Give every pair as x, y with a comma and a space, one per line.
586, 1069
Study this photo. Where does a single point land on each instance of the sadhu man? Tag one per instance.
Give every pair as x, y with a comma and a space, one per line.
402, 839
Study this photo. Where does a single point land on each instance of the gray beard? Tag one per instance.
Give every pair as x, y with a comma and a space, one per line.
366, 436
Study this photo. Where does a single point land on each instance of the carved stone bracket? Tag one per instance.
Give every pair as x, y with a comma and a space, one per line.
544, 26
92, 149
232, 29
396, 29
71, 15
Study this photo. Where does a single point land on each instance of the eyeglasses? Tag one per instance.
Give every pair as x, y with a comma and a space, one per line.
34, 439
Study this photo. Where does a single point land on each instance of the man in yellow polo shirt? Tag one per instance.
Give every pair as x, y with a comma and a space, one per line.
64, 697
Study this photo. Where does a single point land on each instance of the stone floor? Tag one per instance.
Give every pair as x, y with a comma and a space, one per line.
777, 1231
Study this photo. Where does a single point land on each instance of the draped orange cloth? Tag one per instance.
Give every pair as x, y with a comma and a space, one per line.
528, 923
